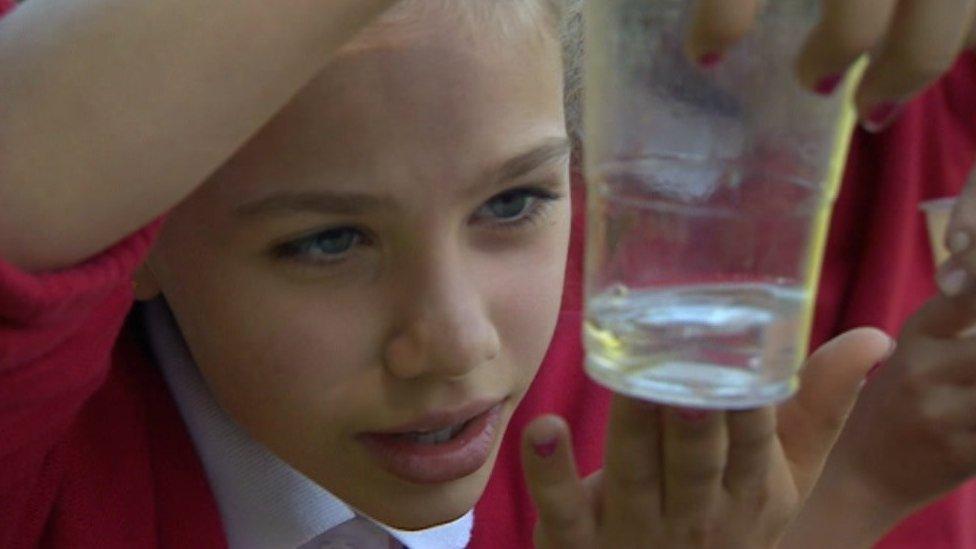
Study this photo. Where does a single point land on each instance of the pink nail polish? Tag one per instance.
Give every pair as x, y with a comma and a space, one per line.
691, 414
881, 117
710, 59
828, 84
545, 449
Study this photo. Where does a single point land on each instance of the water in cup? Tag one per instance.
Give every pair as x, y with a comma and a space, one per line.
703, 290
697, 346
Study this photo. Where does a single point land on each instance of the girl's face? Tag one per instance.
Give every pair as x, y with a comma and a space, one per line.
384, 259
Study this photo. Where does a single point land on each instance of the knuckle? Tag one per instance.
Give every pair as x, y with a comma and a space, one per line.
560, 520
754, 440
699, 474
634, 478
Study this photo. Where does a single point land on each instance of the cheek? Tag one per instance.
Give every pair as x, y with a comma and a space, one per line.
274, 353
527, 293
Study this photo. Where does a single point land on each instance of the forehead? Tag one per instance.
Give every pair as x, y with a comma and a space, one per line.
407, 105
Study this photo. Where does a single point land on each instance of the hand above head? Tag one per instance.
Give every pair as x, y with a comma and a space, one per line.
674, 478
911, 44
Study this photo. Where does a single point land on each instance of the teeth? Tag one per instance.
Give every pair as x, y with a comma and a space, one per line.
436, 437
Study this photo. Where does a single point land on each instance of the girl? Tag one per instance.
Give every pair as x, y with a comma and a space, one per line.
362, 272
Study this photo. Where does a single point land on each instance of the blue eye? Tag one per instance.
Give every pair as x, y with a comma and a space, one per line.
515, 206
328, 245
509, 205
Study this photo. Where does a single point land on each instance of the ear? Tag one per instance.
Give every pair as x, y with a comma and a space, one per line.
144, 283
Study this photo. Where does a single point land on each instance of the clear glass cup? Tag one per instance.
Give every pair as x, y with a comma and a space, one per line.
709, 195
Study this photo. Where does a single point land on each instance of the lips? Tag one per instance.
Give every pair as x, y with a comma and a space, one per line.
439, 447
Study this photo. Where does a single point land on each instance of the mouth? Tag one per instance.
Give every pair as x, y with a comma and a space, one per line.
439, 447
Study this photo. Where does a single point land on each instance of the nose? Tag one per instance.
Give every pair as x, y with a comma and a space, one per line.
446, 329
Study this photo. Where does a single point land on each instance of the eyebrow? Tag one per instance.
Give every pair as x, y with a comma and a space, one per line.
326, 202
350, 203
550, 150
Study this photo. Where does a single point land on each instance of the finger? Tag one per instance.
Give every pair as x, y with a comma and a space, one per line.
923, 42
921, 362
962, 220
565, 516
847, 30
941, 317
810, 422
717, 25
632, 473
752, 436
949, 407
956, 276
694, 454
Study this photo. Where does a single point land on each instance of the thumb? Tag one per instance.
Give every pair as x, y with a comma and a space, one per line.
831, 380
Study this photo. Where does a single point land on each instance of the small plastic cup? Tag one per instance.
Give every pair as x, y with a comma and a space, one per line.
937, 214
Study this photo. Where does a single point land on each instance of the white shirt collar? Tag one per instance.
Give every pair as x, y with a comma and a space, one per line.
263, 501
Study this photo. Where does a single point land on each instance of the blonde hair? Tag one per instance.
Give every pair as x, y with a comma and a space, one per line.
562, 18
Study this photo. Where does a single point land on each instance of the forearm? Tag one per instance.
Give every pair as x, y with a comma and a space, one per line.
111, 111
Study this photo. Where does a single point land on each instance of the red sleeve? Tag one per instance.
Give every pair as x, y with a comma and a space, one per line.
57, 331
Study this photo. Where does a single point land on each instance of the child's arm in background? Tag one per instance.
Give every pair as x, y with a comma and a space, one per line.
111, 111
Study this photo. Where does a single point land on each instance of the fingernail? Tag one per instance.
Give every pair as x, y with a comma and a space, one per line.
828, 84
545, 449
892, 347
959, 242
709, 59
952, 282
691, 414
881, 117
